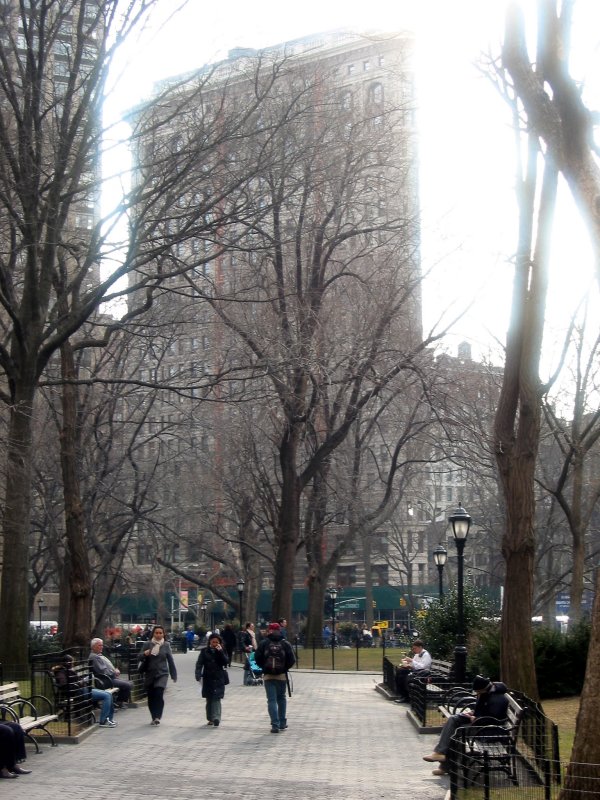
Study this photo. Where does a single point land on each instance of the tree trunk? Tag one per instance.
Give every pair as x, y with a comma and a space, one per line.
77, 604
584, 770
316, 593
14, 598
288, 530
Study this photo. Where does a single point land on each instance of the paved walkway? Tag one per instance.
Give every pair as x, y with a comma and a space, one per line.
344, 742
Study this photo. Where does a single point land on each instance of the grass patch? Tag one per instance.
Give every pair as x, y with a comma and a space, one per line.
563, 711
370, 659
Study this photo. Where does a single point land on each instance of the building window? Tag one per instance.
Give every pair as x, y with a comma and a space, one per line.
144, 554
366, 66
346, 576
381, 574
376, 93
351, 69
347, 101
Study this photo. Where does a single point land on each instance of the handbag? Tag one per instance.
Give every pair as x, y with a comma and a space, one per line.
143, 666
225, 677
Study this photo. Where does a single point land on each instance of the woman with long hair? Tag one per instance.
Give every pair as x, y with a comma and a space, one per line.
156, 664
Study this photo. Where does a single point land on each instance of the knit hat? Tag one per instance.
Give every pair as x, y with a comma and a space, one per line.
274, 627
480, 684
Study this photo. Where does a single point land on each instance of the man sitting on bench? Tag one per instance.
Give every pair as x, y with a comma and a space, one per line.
418, 665
491, 702
107, 675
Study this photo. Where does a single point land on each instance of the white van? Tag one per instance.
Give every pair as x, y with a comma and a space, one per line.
46, 626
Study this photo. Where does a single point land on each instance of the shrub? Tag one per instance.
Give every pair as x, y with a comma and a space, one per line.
438, 626
560, 658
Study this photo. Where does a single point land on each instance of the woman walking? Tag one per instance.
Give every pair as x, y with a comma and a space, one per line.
210, 669
156, 665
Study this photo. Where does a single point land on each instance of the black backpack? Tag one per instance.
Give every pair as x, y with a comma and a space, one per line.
274, 660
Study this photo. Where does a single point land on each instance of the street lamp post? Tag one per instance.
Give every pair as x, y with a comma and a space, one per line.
461, 522
333, 593
240, 588
40, 607
440, 556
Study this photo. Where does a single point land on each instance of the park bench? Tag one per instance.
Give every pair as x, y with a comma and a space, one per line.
75, 704
487, 745
15, 708
436, 682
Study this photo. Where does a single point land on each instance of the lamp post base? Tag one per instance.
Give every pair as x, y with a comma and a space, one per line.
460, 663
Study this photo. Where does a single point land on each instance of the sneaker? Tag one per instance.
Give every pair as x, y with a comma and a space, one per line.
274, 728
216, 722
108, 724
283, 727
210, 722
439, 771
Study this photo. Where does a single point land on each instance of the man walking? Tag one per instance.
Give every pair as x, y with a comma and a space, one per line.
275, 657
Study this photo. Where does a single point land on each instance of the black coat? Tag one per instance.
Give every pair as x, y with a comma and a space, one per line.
229, 639
492, 703
210, 667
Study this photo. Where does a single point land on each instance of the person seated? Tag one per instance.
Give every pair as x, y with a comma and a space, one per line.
492, 702
12, 750
416, 665
77, 687
107, 675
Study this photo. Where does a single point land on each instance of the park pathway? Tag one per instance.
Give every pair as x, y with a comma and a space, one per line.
344, 742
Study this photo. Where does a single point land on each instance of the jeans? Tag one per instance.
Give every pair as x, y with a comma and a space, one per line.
276, 702
106, 711
452, 724
213, 708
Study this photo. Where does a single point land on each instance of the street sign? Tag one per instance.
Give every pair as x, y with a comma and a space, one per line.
349, 604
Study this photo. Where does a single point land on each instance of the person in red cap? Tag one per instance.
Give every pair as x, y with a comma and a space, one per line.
275, 657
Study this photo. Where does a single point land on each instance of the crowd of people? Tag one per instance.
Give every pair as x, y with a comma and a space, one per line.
271, 654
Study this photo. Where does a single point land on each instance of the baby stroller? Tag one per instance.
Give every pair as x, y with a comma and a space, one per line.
253, 673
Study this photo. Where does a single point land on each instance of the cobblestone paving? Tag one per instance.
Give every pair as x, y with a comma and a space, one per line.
344, 742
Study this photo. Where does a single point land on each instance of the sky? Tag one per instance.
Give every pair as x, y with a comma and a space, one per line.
469, 226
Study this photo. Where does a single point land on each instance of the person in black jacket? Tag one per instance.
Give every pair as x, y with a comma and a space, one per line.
210, 669
229, 640
275, 657
491, 702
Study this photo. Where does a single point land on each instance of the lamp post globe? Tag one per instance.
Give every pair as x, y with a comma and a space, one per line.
461, 523
440, 556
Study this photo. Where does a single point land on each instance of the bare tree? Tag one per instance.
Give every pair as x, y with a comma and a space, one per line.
556, 113
328, 231
55, 58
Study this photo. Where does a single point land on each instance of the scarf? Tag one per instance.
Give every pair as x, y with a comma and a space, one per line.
156, 649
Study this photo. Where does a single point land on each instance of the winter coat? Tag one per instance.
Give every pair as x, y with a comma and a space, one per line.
210, 668
493, 703
290, 658
156, 669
